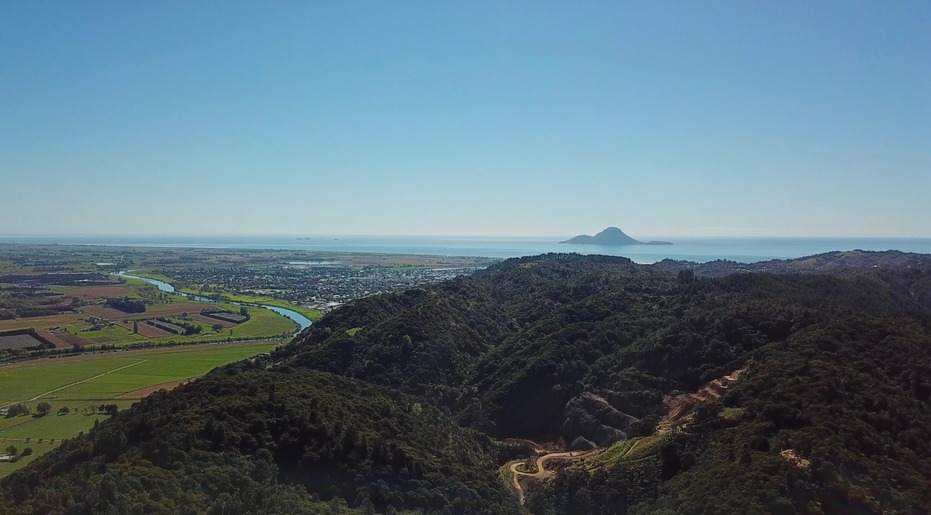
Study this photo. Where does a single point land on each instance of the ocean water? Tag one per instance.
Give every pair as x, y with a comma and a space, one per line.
744, 250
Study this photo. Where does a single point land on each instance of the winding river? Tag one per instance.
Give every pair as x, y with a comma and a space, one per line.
300, 319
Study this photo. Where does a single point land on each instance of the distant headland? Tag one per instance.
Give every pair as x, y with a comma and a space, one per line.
612, 236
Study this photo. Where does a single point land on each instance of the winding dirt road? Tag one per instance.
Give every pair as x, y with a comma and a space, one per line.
542, 472
678, 408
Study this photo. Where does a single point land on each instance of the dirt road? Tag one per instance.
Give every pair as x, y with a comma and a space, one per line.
542, 472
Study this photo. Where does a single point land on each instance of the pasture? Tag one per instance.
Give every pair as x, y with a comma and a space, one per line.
103, 376
312, 314
82, 383
117, 328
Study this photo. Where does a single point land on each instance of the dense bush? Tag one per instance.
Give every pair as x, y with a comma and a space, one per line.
832, 416
127, 305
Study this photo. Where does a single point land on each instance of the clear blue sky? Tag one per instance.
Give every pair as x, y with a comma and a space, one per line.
478, 118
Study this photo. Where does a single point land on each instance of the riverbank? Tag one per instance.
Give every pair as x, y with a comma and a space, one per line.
302, 321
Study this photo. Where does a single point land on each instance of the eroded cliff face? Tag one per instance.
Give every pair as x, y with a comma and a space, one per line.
594, 419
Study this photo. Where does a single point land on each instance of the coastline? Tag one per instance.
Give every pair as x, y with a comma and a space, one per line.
697, 249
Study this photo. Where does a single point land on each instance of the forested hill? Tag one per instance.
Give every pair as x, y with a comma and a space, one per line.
831, 411
838, 262
505, 350
245, 439
517, 351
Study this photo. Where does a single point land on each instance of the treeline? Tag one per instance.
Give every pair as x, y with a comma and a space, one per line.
25, 302
127, 305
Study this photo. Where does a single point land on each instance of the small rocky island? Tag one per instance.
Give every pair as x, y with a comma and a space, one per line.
612, 236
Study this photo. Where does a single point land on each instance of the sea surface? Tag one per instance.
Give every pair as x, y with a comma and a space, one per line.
744, 250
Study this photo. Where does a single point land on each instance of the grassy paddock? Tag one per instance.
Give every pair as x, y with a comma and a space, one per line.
312, 314
140, 289
262, 323
157, 277
84, 382
110, 334
120, 372
38, 449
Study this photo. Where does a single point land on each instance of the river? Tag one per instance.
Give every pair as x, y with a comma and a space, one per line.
300, 319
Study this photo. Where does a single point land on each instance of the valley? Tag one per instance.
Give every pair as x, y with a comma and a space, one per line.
465, 258
66, 303
657, 389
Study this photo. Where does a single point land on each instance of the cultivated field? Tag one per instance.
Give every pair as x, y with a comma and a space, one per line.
65, 320
158, 310
60, 341
146, 330
93, 292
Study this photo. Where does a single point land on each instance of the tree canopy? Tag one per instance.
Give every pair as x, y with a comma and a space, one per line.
403, 401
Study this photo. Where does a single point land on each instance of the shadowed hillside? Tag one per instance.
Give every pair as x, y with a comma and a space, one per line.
831, 412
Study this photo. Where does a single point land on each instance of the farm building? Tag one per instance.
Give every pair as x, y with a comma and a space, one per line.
228, 317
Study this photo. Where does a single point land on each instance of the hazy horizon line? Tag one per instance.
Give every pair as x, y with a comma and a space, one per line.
493, 236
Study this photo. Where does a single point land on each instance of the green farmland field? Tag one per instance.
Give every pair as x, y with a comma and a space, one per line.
121, 372
85, 382
157, 277
312, 314
111, 334
262, 323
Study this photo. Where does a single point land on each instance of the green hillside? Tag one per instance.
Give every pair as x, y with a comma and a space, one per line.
247, 440
400, 402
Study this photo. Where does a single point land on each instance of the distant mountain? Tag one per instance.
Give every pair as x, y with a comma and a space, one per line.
611, 236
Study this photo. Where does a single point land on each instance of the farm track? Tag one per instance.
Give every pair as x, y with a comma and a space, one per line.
37, 397
678, 407
144, 392
542, 472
